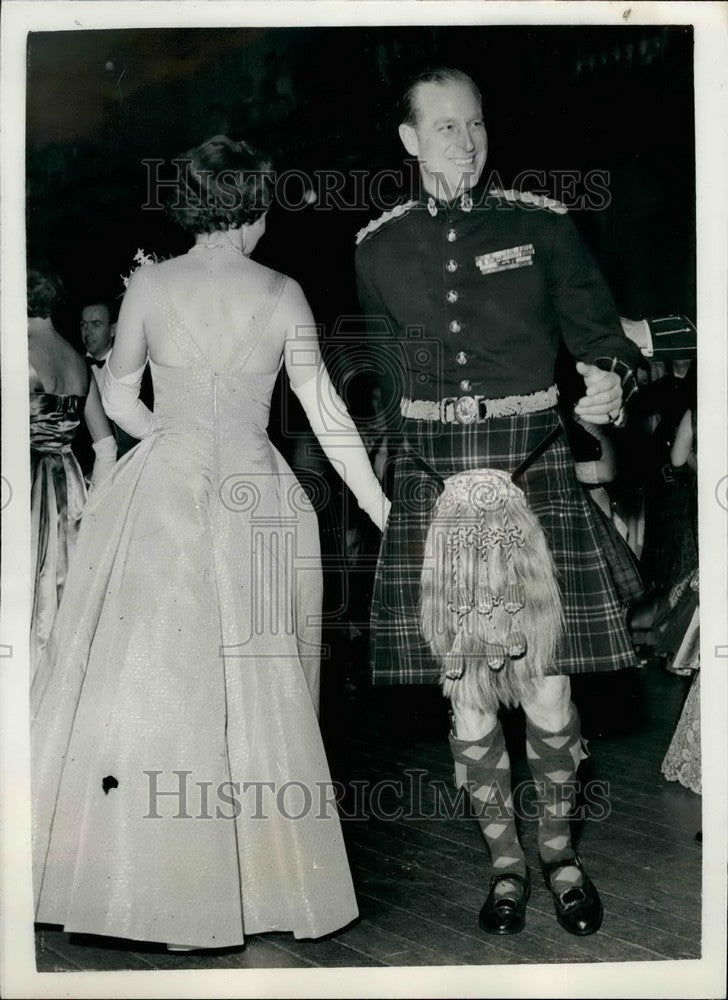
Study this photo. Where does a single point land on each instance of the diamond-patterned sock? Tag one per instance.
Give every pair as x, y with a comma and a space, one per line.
483, 767
553, 758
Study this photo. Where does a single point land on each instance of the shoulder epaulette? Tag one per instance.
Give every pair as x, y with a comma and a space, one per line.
529, 198
393, 213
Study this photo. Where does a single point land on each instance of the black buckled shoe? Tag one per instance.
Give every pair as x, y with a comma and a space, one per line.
505, 913
578, 907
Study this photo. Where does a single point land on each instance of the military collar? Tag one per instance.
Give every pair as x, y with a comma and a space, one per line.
434, 205
463, 202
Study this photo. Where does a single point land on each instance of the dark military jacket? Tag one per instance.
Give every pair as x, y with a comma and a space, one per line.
465, 298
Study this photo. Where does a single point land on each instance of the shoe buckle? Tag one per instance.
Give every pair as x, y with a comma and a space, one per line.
571, 904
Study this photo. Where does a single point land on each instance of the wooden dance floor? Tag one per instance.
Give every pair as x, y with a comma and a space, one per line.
421, 881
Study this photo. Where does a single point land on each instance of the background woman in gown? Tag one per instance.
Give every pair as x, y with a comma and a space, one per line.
61, 395
679, 627
181, 789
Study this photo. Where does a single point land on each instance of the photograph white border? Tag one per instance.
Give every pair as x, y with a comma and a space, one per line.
689, 978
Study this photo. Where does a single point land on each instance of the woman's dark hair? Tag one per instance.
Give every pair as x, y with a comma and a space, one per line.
222, 184
44, 291
408, 108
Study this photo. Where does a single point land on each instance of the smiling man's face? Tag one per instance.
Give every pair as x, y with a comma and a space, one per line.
449, 138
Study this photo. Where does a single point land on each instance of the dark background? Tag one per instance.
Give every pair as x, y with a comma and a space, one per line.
555, 98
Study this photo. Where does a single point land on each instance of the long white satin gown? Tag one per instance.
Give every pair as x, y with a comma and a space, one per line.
185, 656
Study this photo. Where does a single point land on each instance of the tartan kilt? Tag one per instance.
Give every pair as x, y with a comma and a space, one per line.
596, 573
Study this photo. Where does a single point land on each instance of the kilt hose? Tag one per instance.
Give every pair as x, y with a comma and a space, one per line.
596, 573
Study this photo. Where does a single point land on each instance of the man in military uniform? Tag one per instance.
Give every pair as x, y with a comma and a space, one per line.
468, 294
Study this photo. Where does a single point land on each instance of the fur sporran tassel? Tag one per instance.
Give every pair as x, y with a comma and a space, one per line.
485, 594
490, 607
455, 666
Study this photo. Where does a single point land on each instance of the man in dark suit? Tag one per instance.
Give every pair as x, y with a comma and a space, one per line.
98, 329
468, 292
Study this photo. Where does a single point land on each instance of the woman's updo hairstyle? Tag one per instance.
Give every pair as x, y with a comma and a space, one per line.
44, 291
222, 184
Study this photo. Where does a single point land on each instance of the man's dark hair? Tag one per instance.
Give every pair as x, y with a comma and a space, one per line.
409, 110
111, 307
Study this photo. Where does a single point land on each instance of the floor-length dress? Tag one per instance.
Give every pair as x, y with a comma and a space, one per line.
682, 761
57, 498
680, 640
185, 660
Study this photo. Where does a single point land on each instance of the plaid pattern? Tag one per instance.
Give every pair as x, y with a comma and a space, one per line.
596, 579
619, 557
627, 377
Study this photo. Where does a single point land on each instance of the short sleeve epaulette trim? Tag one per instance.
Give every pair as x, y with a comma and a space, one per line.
529, 198
394, 213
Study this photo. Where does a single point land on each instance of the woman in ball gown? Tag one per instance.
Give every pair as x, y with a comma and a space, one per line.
61, 395
678, 629
181, 790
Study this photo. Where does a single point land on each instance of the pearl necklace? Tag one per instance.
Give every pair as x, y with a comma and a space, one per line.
217, 246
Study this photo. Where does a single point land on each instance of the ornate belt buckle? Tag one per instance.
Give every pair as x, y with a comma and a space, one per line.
466, 410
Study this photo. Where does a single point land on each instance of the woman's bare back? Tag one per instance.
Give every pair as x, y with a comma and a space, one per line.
216, 294
55, 367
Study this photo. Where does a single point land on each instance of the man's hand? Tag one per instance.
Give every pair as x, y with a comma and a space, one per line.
602, 403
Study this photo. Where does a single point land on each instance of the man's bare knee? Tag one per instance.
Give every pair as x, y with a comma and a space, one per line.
472, 723
550, 705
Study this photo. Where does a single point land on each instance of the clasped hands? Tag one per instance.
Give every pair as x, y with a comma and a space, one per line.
602, 402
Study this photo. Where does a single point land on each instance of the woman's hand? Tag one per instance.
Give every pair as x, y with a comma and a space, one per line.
602, 403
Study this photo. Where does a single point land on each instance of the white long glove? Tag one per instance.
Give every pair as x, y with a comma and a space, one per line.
337, 434
105, 450
120, 397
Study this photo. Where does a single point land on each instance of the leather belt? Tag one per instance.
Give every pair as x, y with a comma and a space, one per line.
478, 409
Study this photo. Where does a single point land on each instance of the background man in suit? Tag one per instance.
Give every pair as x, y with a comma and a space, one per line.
98, 328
